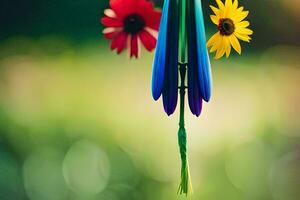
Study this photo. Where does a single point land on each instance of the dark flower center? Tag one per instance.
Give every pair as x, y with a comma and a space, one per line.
226, 26
133, 23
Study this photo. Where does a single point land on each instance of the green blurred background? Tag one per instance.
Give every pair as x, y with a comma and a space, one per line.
77, 122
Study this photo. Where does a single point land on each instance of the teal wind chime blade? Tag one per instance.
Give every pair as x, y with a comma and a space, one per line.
204, 68
181, 47
158, 69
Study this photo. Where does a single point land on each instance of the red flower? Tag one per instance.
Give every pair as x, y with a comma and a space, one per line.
130, 23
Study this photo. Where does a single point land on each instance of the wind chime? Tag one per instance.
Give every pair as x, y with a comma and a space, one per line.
181, 61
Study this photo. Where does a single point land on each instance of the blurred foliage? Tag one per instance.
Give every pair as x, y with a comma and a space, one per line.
78, 122
273, 21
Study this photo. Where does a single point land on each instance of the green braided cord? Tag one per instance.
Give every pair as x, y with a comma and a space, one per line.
185, 186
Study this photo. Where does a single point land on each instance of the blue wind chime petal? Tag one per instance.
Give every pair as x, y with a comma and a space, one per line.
165, 67
194, 92
204, 69
158, 71
199, 70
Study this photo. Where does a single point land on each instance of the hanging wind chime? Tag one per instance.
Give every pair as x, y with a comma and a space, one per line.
181, 51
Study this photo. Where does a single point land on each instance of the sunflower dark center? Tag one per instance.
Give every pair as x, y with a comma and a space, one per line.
133, 23
226, 26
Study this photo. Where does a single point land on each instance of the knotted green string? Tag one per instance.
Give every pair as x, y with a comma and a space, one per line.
185, 186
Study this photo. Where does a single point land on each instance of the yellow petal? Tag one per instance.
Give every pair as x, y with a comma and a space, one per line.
241, 16
228, 7
228, 12
227, 46
217, 44
220, 4
220, 53
215, 19
235, 44
221, 50
215, 10
213, 40
221, 7
245, 38
236, 14
240, 9
228, 3
242, 24
244, 31
235, 4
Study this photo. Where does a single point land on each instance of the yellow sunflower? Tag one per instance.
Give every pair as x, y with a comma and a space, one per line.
231, 27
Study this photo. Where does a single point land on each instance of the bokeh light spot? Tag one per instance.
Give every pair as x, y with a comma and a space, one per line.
43, 178
86, 168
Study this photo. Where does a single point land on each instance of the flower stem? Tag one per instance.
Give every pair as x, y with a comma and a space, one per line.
185, 186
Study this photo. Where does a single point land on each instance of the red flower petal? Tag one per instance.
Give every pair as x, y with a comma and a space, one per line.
110, 35
151, 16
119, 42
111, 32
148, 40
153, 20
111, 22
123, 7
134, 47
144, 7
